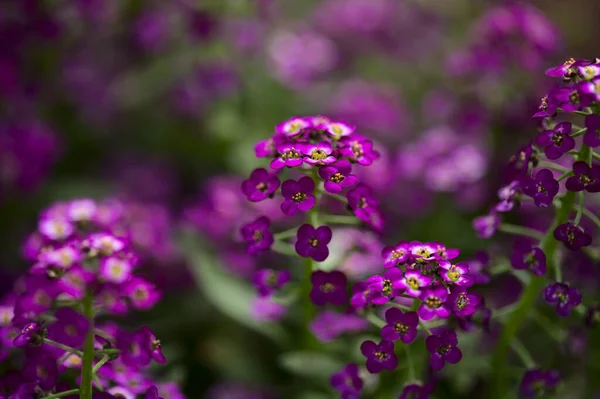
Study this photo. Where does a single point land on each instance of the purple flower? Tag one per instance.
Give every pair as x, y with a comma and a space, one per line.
257, 235
312, 243
509, 197
486, 226
361, 295
268, 280
43, 369
293, 127
537, 382
298, 196
152, 393
56, 228
260, 185
526, 256
32, 333
362, 202
413, 281
142, 294
290, 155
70, 327
574, 237
265, 309
386, 287
567, 70
443, 253
402, 326
455, 273
585, 178
548, 106
337, 130
433, 303
338, 176
318, 154
564, 297
115, 270
396, 255
443, 349
591, 137
573, 98
521, 161
556, 141
422, 253
347, 382
463, 303
329, 325
359, 150
379, 356
328, 288
415, 391
542, 189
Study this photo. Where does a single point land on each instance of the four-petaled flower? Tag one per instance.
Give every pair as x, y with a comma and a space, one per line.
268, 280
585, 178
413, 282
433, 303
455, 273
318, 154
328, 288
347, 382
443, 349
542, 188
556, 141
260, 185
386, 287
564, 297
485, 226
338, 176
462, 302
312, 243
526, 256
290, 155
257, 235
574, 237
395, 255
298, 196
402, 326
379, 356
591, 138
537, 382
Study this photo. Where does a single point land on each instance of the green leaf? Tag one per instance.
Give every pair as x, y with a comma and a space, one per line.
316, 365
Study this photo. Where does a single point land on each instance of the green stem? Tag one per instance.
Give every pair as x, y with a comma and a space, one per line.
580, 203
63, 347
592, 217
425, 328
523, 353
338, 197
412, 375
595, 156
100, 364
88, 349
564, 176
554, 166
285, 234
520, 231
107, 352
375, 320
579, 132
62, 394
582, 113
103, 334
340, 219
400, 306
309, 266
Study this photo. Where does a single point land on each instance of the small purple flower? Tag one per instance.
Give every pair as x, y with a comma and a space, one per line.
318, 154
31, 334
298, 196
269, 280
152, 344
290, 155
359, 150
361, 295
542, 188
362, 202
347, 382
400, 326
486, 226
556, 141
329, 325
142, 294
423, 253
42, 369
591, 137
521, 161
328, 288
443, 349
56, 228
293, 127
396, 255
70, 327
337, 130
265, 148
509, 197
566, 70
573, 98
413, 282
463, 303
379, 356
574, 237
312, 243
455, 273
564, 297
537, 382
415, 391
528, 257
548, 106
115, 270
443, 253
585, 178
386, 287
257, 235
152, 393
434, 303
338, 176
260, 185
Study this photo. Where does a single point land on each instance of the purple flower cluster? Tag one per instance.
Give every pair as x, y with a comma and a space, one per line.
84, 266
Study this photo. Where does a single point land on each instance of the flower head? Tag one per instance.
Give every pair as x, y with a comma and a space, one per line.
591, 138
268, 280
433, 303
574, 237
318, 154
556, 141
298, 196
527, 257
290, 155
486, 226
386, 287
260, 185
257, 235
509, 197
443, 349
312, 243
584, 177
402, 326
328, 287
414, 281
537, 382
359, 150
455, 273
347, 382
379, 356
542, 188
564, 297
463, 303
396, 255
337, 176
362, 202
361, 295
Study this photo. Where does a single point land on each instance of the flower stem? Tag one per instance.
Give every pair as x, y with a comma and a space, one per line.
62, 394
400, 306
554, 166
590, 215
340, 219
580, 201
88, 349
375, 320
425, 328
523, 353
285, 234
412, 375
520, 231
100, 364
338, 197
595, 155
579, 132
63, 347
309, 308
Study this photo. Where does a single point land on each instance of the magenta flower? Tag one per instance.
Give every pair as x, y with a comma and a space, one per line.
42, 369
443, 253
413, 282
455, 273
433, 303
538, 382
55, 228
379, 356
361, 295
312, 243
328, 288
329, 325
556, 141
573, 98
293, 127
574, 237
509, 197
422, 252
362, 202
257, 235
290, 155
486, 226
318, 154
268, 280
396, 255
338, 176
443, 349
338, 130
260, 185
70, 327
591, 137
115, 270
31, 334
463, 303
359, 150
347, 382
415, 391
542, 188
152, 344
386, 287
142, 294
585, 178
265, 148
298, 196
400, 326
567, 70
152, 393
564, 297
527, 257
548, 106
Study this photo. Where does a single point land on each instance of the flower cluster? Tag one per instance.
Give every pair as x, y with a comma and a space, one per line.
84, 267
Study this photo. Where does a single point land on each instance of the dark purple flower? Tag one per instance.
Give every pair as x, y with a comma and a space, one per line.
298, 196
134, 351
152, 393
509, 197
290, 155
455, 273
70, 327
585, 178
379, 356
268, 280
396, 255
328, 287
359, 150
556, 141
481, 318
329, 325
32, 333
386, 287
338, 176
478, 268
362, 202
463, 303
574, 237
361, 295
521, 161
542, 188
318, 154
260, 185
548, 106
564, 297
257, 235
573, 98
537, 382
443, 349
414, 281
415, 391
528, 257
402, 326
434, 303
347, 382
591, 137
486, 226
43, 369
312, 243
